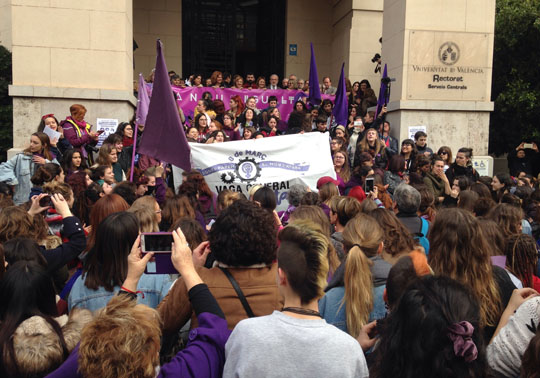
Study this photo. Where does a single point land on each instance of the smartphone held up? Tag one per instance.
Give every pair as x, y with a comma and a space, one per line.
160, 243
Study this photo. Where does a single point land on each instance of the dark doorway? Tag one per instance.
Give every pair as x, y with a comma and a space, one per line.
235, 36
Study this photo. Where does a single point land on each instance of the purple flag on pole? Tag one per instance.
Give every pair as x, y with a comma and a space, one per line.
314, 89
340, 110
164, 136
382, 100
142, 102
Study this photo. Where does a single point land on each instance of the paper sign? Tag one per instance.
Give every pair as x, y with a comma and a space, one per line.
483, 165
53, 135
414, 129
108, 126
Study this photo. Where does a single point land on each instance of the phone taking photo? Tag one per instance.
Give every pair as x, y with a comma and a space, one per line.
160, 243
369, 184
45, 201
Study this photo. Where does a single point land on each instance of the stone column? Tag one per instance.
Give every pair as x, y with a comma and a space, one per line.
341, 31
67, 52
440, 54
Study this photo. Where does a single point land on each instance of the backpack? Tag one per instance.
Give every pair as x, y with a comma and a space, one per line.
422, 235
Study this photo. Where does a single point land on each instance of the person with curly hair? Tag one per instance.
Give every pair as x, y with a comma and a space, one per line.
244, 248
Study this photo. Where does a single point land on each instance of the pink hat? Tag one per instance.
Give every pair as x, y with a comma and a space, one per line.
358, 193
326, 179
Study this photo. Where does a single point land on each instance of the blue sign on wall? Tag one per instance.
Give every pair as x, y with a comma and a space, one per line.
293, 49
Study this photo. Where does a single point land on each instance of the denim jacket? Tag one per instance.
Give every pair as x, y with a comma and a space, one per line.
332, 306
17, 171
153, 286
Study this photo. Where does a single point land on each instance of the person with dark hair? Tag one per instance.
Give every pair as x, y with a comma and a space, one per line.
45, 173
266, 198
245, 249
420, 139
105, 267
390, 142
523, 159
296, 342
436, 180
127, 190
446, 153
462, 166
438, 319
73, 162
409, 152
501, 184
394, 175
531, 358
467, 199
33, 340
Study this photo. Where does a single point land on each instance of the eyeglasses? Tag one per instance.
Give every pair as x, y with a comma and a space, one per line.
333, 143
443, 153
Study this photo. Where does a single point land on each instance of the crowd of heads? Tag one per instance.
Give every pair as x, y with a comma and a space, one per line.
417, 241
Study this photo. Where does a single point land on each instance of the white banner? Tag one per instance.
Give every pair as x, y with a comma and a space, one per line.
277, 162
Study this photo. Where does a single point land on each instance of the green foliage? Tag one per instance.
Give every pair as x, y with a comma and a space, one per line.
6, 104
516, 77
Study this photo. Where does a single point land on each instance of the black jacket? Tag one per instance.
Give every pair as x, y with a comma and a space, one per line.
74, 232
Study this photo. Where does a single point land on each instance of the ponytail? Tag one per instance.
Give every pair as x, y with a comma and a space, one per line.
358, 290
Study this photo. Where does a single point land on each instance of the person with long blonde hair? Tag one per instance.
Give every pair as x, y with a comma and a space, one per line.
459, 250
355, 295
372, 143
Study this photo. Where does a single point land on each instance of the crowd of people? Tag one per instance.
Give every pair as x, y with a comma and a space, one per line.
407, 249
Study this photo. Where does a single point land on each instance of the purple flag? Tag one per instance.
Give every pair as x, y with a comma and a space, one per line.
164, 136
314, 89
340, 111
382, 100
142, 102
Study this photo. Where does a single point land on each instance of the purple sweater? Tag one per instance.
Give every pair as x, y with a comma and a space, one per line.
204, 355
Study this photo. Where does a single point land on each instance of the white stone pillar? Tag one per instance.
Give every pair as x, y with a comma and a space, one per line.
440, 53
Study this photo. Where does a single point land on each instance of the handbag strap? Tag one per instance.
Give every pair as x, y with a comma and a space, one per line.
239, 292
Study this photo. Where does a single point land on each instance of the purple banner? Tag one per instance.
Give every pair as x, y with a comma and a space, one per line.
188, 97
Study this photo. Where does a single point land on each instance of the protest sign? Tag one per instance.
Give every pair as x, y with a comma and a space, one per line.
278, 163
53, 135
414, 129
108, 126
187, 97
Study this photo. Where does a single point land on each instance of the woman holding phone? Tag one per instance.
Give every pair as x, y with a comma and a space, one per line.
105, 267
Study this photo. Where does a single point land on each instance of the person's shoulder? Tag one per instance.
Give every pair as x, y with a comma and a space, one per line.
253, 325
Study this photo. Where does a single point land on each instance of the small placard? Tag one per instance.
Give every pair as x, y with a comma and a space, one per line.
108, 126
414, 129
293, 49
